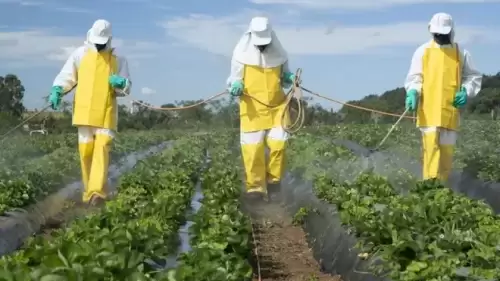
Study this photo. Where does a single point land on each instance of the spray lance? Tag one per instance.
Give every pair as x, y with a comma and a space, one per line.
390, 132
47, 107
5, 135
120, 92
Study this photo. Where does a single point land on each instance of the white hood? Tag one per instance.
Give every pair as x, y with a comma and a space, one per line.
246, 53
442, 23
99, 32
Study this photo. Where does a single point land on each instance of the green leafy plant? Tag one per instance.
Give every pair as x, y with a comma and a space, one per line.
116, 242
220, 235
420, 230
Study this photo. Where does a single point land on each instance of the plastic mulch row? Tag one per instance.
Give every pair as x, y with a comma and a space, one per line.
17, 225
332, 246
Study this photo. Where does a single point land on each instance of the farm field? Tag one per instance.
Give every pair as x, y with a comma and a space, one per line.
33, 167
477, 150
417, 230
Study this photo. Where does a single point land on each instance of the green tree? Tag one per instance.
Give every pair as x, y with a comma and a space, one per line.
484, 104
11, 95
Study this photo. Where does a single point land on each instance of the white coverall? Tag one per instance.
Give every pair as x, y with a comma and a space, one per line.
437, 72
95, 110
262, 76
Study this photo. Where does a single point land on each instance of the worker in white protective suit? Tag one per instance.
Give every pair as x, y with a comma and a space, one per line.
100, 76
259, 70
439, 82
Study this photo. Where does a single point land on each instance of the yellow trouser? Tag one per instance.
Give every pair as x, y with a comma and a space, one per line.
258, 173
438, 145
94, 146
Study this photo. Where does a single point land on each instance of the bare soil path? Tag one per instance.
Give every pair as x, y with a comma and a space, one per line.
282, 249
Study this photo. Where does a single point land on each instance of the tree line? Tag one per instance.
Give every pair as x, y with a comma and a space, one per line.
224, 112
485, 105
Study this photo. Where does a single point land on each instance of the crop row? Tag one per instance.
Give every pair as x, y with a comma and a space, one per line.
117, 242
220, 235
427, 233
37, 177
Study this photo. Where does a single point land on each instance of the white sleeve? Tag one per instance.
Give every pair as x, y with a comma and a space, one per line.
471, 77
123, 71
236, 74
414, 77
285, 68
68, 76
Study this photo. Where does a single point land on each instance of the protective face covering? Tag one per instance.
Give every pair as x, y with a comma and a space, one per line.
442, 39
262, 48
100, 47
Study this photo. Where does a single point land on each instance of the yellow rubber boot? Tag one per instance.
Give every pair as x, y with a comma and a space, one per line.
276, 162
432, 155
446, 163
255, 167
99, 172
86, 151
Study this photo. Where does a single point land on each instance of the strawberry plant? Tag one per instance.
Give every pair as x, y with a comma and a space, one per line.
220, 235
24, 181
421, 232
116, 242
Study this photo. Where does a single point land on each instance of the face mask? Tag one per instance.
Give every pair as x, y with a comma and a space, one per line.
100, 47
442, 39
262, 48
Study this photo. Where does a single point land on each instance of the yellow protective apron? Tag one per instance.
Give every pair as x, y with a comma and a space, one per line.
441, 81
95, 106
265, 85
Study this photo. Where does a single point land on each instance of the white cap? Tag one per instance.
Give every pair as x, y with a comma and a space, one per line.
100, 32
261, 31
441, 23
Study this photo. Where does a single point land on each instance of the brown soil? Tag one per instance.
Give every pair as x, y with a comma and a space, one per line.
281, 247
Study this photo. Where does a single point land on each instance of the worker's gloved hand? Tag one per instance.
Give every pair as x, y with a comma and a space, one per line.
236, 89
55, 97
117, 82
289, 78
460, 98
411, 100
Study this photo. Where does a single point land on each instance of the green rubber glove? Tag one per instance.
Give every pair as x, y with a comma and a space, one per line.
236, 89
411, 100
288, 78
55, 97
460, 98
117, 81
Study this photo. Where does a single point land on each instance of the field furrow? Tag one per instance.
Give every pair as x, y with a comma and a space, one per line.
115, 243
